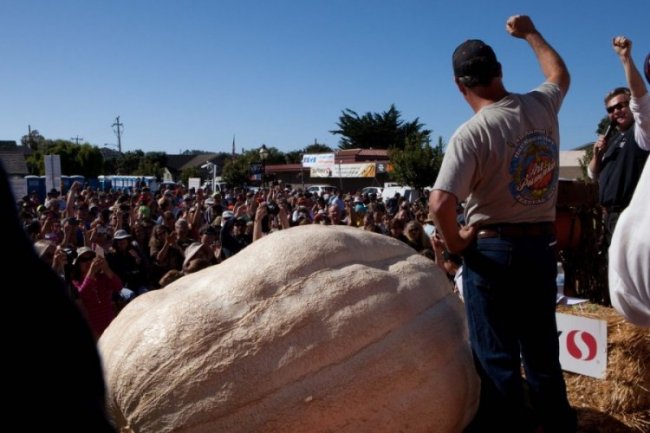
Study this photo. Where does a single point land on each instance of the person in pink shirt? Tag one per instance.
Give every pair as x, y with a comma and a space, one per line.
97, 285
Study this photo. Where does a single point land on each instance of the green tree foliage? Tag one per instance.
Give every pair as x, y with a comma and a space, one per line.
153, 164
90, 161
138, 163
188, 172
236, 171
87, 160
33, 140
129, 162
67, 151
378, 131
274, 156
111, 166
35, 163
193, 152
81, 159
220, 160
318, 148
293, 157
417, 164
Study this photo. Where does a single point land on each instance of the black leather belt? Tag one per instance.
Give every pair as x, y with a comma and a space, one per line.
516, 230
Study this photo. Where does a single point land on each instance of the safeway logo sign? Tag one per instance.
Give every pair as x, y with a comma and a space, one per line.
583, 345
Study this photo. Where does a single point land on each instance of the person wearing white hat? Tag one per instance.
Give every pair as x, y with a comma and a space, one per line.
197, 257
128, 262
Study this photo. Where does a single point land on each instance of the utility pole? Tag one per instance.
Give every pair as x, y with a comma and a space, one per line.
76, 139
118, 131
29, 136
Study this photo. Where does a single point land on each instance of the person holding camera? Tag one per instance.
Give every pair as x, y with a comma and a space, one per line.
233, 233
209, 238
74, 193
121, 219
73, 234
100, 238
267, 217
60, 260
97, 285
165, 253
128, 262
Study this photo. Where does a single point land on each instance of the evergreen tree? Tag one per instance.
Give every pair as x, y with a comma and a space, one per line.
417, 164
378, 131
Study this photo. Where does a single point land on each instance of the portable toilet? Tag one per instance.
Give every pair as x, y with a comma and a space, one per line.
105, 182
65, 184
78, 178
36, 184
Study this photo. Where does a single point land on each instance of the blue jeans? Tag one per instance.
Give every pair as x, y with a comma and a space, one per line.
510, 293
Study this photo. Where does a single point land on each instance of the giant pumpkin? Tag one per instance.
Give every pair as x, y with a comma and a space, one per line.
309, 330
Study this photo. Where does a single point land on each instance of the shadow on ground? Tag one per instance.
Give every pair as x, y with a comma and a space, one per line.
593, 421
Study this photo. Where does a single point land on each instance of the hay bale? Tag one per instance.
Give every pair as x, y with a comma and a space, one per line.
621, 402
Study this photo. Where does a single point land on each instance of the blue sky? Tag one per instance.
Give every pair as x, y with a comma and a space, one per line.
193, 74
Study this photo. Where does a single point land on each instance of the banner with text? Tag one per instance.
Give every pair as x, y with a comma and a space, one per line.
360, 169
318, 160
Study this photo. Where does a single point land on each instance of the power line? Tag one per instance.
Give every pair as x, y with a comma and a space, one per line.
76, 139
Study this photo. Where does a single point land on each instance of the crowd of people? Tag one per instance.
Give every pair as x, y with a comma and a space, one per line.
111, 246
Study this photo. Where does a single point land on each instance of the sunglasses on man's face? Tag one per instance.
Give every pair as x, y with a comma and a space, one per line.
619, 106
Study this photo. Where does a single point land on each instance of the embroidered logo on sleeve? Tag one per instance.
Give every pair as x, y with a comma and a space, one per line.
534, 169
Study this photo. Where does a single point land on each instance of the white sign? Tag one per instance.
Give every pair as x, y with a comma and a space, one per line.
53, 172
194, 182
318, 160
583, 345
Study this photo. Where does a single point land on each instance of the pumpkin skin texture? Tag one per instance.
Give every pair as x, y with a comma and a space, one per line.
313, 329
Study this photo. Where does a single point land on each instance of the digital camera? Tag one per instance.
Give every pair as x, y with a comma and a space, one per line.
272, 208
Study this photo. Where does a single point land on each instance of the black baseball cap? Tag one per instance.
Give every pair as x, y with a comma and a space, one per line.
475, 63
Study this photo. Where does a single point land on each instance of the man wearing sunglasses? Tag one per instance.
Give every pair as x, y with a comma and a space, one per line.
620, 154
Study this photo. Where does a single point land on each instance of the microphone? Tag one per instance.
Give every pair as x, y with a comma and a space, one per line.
611, 129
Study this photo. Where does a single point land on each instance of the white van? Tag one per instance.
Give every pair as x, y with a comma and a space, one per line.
409, 193
372, 190
319, 190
